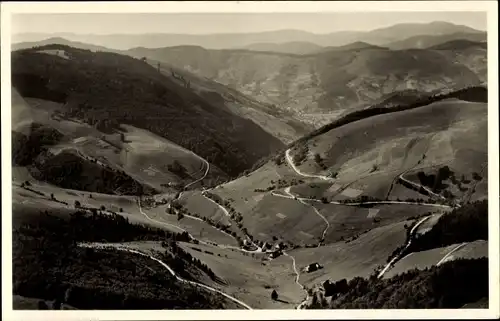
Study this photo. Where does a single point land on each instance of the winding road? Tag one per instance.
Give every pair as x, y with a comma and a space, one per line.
170, 270
168, 224
421, 186
226, 212
195, 239
444, 259
204, 175
287, 190
288, 195
291, 196
410, 238
297, 277
295, 168
258, 250
299, 172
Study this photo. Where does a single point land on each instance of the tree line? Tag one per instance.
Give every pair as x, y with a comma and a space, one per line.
48, 264
448, 286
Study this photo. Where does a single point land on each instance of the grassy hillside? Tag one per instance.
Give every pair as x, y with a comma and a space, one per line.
106, 89
320, 87
347, 260
368, 158
445, 115
149, 159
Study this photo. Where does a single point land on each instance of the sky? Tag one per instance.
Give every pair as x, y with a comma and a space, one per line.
203, 23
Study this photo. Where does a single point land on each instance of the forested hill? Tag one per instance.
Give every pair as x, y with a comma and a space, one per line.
107, 89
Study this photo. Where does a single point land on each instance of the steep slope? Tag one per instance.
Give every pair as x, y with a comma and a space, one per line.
39, 125
321, 87
426, 41
449, 132
279, 123
107, 89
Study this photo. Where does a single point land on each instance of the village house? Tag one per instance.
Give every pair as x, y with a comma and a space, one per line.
313, 267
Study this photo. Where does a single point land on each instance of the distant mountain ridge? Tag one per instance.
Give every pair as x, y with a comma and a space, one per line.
293, 47
318, 87
380, 37
426, 41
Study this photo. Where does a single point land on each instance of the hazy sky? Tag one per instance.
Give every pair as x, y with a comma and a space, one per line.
230, 23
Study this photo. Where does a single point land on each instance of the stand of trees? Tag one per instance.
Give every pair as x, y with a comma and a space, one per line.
448, 286
465, 224
48, 264
70, 171
435, 181
26, 148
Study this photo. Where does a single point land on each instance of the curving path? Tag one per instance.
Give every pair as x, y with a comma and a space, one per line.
226, 212
287, 190
297, 277
192, 237
298, 171
168, 224
204, 175
170, 270
450, 253
410, 238
291, 196
421, 186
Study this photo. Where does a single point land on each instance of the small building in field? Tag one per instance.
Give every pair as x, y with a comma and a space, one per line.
275, 254
313, 267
